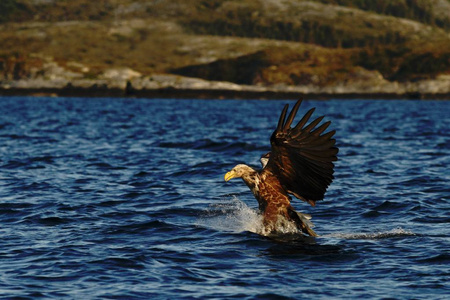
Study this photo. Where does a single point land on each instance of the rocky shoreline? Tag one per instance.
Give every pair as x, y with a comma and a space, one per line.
127, 83
173, 93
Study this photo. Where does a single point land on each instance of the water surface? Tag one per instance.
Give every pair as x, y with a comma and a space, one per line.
125, 198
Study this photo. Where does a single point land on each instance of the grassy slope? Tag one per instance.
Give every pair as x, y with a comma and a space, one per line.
253, 42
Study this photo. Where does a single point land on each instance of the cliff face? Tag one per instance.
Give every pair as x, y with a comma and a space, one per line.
328, 46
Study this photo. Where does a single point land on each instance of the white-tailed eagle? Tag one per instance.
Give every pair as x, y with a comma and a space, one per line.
300, 163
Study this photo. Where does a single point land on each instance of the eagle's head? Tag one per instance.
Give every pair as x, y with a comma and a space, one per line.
241, 171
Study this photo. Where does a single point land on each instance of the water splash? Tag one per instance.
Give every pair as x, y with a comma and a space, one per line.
235, 216
232, 215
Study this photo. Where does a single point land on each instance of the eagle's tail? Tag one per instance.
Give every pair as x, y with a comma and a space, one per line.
303, 222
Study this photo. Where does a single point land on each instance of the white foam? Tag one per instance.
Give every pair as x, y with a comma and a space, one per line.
397, 232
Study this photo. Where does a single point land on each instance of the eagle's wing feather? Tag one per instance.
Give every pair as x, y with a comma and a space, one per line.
302, 157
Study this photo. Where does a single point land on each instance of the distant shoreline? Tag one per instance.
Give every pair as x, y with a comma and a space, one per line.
167, 93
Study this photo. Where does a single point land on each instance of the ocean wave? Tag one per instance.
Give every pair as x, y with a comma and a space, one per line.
210, 145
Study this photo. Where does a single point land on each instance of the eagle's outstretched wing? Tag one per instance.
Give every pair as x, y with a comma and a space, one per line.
302, 157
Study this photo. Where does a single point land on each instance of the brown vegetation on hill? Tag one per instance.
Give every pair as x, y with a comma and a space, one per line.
264, 42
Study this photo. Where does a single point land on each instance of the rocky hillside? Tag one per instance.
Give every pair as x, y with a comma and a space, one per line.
324, 46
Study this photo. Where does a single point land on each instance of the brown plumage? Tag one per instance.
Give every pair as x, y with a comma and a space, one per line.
300, 163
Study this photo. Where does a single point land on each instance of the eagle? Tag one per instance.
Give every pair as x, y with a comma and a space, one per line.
300, 164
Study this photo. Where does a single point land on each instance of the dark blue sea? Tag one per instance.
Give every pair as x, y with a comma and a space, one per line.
125, 199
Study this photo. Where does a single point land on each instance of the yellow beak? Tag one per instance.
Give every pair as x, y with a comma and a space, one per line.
230, 175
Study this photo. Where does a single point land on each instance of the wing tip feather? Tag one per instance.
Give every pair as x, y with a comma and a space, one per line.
281, 121
292, 114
